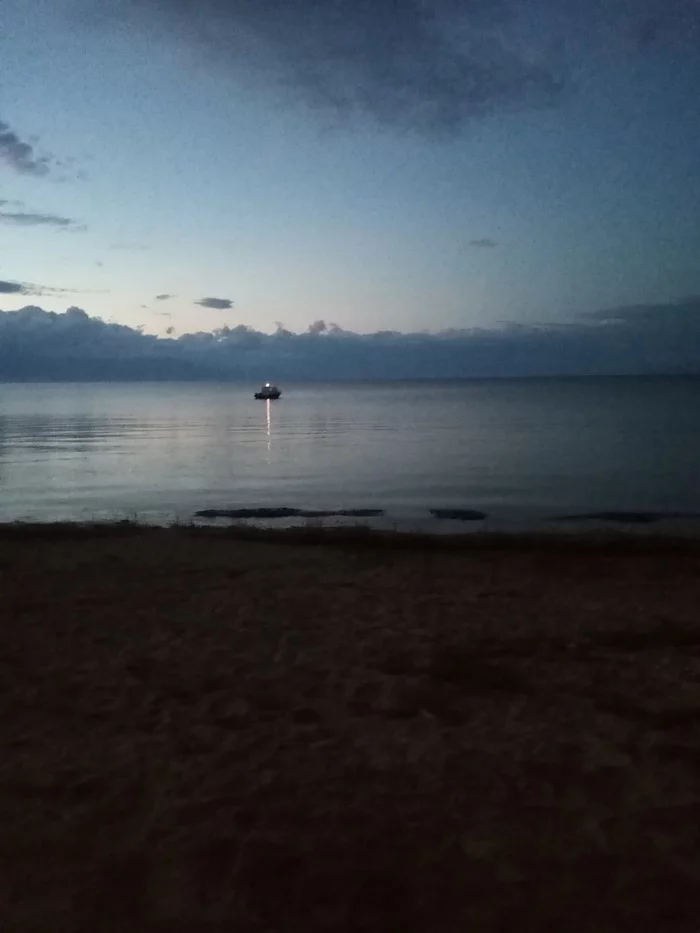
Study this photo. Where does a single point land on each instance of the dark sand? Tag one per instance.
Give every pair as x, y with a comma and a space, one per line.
202, 733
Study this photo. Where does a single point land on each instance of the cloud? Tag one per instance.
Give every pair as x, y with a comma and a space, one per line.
654, 22
20, 155
134, 247
73, 228
483, 243
164, 297
31, 219
318, 327
11, 288
429, 66
27, 288
220, 304
647, 31
38, 344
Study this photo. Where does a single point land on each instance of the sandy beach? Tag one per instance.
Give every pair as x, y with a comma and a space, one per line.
208, 732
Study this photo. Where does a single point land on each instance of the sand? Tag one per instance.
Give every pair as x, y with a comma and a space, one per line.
201, 733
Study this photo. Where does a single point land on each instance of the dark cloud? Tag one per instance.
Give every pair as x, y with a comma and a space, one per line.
27, 288
31, 219
425, 65
648, 31
318, 327
20, 155
11, 288
164, 297
653, 22
220, 304
37, 344
483, 243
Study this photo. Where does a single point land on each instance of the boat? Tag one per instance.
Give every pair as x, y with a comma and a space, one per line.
268, 391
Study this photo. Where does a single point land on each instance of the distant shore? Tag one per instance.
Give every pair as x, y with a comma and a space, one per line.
316, 729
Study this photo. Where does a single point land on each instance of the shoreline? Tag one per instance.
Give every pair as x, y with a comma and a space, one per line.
306, 730
366, 536
447, 522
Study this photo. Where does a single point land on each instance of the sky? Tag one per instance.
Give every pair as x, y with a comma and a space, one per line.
444, 170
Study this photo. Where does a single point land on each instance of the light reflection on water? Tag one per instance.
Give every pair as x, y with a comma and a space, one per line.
524, 447
268, 403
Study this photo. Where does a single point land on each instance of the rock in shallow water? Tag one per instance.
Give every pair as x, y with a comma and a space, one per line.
628, 518
289, 513
462, 515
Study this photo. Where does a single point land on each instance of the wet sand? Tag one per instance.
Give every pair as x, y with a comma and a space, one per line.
212, 731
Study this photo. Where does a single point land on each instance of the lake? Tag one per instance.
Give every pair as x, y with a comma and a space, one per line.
519, 450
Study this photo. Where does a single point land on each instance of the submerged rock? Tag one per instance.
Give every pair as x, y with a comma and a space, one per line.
627, 518
343, 513
288, 513
246, 513
462, 515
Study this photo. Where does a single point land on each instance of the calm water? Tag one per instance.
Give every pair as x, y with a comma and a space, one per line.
518, 450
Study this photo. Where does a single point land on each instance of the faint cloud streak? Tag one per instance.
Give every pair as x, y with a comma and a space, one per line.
27, 288
32, 219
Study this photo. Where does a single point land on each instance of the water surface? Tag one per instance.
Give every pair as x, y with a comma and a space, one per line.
520, 449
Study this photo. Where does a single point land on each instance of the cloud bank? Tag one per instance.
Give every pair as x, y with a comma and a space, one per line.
37, 344
424, 65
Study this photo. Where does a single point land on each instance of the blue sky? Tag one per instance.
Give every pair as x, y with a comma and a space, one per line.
206, 167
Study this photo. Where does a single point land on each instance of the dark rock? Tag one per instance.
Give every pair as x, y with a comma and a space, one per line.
353, 513
288, 513
247, 513
627, 518
461, 515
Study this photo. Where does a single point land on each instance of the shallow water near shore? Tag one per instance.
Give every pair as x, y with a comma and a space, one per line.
521, 452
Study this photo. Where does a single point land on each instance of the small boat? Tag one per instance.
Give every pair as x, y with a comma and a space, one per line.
268, 391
